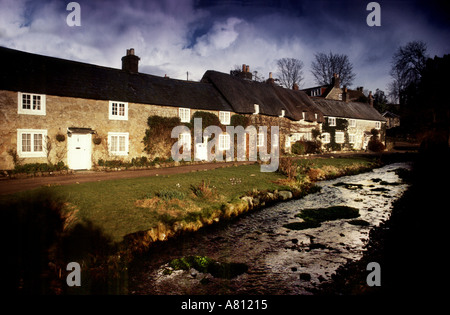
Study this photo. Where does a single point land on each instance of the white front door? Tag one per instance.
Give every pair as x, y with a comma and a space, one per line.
79, 155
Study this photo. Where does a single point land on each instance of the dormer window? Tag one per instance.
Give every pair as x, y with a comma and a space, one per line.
184, 114
332, 121
224, 118
256, 112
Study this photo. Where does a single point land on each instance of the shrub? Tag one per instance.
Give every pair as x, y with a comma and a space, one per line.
305, 147
375, 144
286, 167
298, 148
203, 190
157, 139
31, 168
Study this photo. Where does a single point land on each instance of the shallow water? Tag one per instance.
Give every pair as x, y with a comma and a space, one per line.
280, 260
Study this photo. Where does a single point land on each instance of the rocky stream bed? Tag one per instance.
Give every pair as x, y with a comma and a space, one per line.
274, 250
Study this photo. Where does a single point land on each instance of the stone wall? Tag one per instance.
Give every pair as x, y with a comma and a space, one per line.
65, 112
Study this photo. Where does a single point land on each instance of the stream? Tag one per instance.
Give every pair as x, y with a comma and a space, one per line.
281, 261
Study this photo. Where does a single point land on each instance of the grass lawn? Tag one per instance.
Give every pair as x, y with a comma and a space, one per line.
112, 205
337, 162
121, 207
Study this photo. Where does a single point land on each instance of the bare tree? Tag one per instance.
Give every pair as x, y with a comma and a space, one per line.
290, 72
325, 66
408, 63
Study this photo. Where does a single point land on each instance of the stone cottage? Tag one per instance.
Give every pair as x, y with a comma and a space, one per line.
267, 104
54, 110
349, 119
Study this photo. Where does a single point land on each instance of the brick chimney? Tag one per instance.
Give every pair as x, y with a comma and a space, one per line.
130, 62
335, 81
295, 87
271, 80
246, 74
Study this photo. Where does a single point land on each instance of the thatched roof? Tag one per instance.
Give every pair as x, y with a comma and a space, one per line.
244, 94
355, 110
26, 72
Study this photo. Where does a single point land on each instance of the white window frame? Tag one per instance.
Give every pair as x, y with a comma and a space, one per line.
33, 133
341, 135
115, 135
377, 125
184, 114
326, 137
351, 138
224, 118
332, 121
184, 139
224, 142
340, 96
283, 112
118, 115
352, 123
31, 111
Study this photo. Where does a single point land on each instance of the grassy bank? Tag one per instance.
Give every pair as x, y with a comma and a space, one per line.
102, 222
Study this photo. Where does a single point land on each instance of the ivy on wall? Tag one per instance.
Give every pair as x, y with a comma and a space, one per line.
341, 125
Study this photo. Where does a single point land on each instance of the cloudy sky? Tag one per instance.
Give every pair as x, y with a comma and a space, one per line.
177, 36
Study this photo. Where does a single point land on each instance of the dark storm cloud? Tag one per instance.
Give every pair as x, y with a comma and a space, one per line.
174, 37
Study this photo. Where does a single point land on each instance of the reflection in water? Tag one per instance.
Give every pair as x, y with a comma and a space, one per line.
279, 260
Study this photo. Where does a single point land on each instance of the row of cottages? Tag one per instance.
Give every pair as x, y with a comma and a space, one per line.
349, 116
55, 110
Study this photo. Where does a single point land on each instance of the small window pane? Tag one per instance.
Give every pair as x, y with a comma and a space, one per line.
114, 109
121, 109
37, 142
113, 143
26, 101
36, 102
26, 142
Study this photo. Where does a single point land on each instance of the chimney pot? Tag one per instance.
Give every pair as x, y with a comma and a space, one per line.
247, 68
270, 75
243, 68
